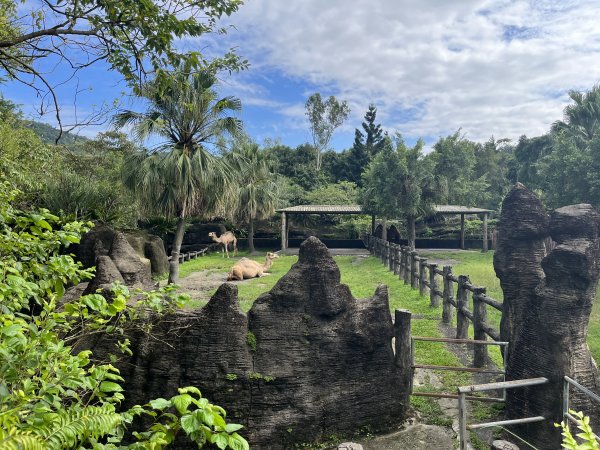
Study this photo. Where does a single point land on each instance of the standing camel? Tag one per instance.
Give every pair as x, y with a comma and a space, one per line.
247, 268
225, 239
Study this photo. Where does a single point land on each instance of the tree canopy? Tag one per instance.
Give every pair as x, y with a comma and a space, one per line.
181, 176
135, 38
323, 118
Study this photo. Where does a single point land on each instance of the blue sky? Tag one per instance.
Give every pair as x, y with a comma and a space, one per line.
489, 67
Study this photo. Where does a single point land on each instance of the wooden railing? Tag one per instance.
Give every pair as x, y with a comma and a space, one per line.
189, 255
419, 274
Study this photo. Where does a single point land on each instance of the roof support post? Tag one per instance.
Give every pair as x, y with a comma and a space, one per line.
462, 231
284, 230
485, 232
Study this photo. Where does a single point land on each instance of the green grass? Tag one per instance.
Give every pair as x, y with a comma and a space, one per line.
480, 268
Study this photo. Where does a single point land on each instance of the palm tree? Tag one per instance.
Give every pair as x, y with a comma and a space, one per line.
399, 183
582, 118
180, 176
256, 188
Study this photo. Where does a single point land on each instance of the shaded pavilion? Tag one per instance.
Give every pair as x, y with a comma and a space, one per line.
316, 209
463, 210
356, 210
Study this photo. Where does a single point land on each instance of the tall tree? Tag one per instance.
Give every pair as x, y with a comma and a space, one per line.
454, 162
365, 146
255, 188
133, 37
492, 162
323, 118
399, 183
582, 117
181, 176
569, 171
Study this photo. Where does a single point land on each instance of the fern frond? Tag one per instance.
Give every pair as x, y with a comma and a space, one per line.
74, 426
14, 439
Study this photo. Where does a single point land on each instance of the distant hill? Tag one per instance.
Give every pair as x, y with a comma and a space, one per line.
48, 134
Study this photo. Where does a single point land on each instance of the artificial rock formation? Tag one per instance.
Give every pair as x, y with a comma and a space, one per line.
99, 241
307, 362
548, 298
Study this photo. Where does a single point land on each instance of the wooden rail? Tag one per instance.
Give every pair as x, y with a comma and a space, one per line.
190, 255
454, 293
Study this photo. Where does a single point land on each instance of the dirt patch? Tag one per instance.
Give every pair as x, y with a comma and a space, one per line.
202, 284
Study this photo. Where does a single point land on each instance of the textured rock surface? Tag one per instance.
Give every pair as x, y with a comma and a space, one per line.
134, 270
106, 274
99, 240
547, 304
308, 361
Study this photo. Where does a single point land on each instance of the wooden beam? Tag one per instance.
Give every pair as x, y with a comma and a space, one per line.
485, 232
283, 231
462, 231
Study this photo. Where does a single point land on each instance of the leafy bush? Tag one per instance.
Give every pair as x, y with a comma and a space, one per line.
586, 436
52, 397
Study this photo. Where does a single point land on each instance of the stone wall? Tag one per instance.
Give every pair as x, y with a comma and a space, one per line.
307, 362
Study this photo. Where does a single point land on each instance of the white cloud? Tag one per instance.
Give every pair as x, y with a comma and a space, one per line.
490, 67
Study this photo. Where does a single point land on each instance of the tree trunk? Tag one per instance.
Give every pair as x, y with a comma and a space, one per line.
318, 158
251, 235
174, 263
384, 229
547, 304
412, 233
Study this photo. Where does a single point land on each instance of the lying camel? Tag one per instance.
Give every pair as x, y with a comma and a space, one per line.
246, 268
225, 239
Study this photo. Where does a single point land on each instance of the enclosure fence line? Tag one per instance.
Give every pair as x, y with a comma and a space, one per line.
419, 274
189, 255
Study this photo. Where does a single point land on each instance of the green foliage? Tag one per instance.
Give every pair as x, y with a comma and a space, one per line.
255, 191
586, 436
97, 194
454, 159
365, 146
53, 397
342, 193
134, 37
184, 177
323, 118
399, 183
251, 341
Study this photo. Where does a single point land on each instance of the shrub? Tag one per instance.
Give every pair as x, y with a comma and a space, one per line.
52, 397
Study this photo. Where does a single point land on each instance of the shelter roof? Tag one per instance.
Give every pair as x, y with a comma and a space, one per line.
456, 209
322, 209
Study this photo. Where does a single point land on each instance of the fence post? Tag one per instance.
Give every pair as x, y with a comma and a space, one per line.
407, 264
447, 295
422, 265
414, 259
480, 352
391, 256
433, 297
403, 358
396, 259
462, 301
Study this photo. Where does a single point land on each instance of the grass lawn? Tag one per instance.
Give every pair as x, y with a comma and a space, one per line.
480, 268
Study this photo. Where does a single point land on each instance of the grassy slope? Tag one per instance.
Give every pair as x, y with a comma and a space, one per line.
479, 266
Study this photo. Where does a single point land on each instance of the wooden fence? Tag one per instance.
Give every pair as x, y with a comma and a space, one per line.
419, 274
189, 255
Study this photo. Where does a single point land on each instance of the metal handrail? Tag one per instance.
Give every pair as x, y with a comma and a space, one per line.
568, 381
504, 385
